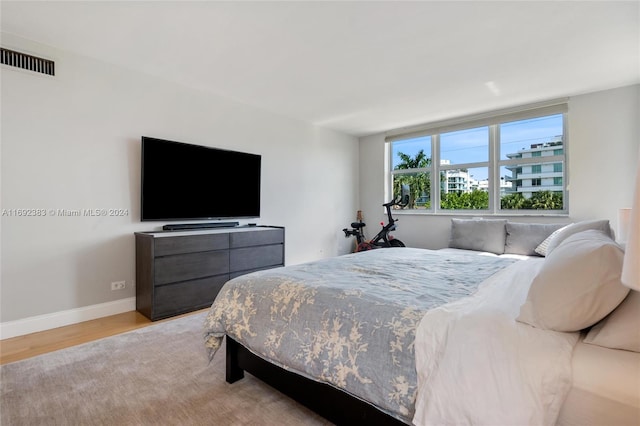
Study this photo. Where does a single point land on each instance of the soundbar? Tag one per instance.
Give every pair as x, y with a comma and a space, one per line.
207, 225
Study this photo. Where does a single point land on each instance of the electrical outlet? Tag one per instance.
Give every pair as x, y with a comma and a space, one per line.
118, 285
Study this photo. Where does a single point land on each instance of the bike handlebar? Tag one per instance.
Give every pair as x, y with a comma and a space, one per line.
397, 201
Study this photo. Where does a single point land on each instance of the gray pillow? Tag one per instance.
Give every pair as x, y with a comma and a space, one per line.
478, 234
523, 238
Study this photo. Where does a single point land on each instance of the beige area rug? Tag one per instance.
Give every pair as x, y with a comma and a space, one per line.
157, 375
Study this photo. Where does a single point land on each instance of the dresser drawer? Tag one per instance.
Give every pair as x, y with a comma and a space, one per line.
190, 244
181, 297
256, 238
183, 267
256, 257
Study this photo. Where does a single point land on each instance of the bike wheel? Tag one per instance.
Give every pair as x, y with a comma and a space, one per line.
396, 243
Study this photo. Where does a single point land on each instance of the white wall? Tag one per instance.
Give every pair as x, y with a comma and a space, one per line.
603, 140
73, 142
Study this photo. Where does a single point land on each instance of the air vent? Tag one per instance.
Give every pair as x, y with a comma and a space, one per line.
27, 62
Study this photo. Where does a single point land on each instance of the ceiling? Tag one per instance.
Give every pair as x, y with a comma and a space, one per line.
357, 67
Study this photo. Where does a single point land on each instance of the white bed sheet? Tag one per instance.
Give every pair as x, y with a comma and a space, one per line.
477, 366
486, 253
605, 390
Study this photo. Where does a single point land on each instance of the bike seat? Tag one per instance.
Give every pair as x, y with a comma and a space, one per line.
358, 225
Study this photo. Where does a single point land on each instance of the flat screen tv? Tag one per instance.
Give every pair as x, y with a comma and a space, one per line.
181, 181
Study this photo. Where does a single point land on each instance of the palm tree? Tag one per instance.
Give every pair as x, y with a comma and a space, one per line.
513, 201
541, 200
546, 200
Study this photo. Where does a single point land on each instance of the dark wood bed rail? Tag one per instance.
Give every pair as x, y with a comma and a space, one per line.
331, 403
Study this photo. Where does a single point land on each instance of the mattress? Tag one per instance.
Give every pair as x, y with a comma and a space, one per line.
606, 388
337, 320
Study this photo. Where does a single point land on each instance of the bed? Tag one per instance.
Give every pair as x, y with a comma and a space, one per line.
403, 335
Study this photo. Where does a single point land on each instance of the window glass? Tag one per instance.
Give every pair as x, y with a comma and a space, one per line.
419, 187
519, 139
532, 182
463, 189
412, 155
465, 146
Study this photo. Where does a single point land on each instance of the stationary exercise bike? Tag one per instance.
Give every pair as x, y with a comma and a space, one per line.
382, 239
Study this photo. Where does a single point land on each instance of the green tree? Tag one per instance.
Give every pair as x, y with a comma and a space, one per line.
546, 200
541, 200
474, 200
419, 161
513, 201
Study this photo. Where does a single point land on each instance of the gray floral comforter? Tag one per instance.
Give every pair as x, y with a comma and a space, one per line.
349, 321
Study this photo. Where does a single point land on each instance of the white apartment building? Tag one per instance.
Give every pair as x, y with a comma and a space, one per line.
506, 185
532, 177
460, 180
456, 181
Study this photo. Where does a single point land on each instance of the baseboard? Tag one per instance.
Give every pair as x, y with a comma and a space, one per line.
29, 325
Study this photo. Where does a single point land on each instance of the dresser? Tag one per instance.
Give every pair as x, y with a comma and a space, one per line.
183, 271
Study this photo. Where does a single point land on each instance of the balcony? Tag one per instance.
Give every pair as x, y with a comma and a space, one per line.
540, 188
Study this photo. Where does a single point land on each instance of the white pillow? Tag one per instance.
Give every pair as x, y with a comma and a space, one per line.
574, 228
543, 247
621, 328
578, 284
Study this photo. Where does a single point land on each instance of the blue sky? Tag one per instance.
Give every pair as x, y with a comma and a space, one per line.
471, 145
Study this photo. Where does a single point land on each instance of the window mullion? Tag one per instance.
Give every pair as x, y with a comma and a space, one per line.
410, 171
464, 165
565, 167
494, 168
533, 160
435, 173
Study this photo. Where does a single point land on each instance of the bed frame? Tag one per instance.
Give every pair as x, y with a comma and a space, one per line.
331, 403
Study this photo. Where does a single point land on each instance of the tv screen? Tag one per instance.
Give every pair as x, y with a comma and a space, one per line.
184, 181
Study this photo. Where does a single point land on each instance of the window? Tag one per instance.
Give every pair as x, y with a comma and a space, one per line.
508, 163
460, 188
411, 162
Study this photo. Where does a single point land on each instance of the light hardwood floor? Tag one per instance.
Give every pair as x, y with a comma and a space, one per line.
27, 346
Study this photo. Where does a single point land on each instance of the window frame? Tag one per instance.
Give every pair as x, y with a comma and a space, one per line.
493, 121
